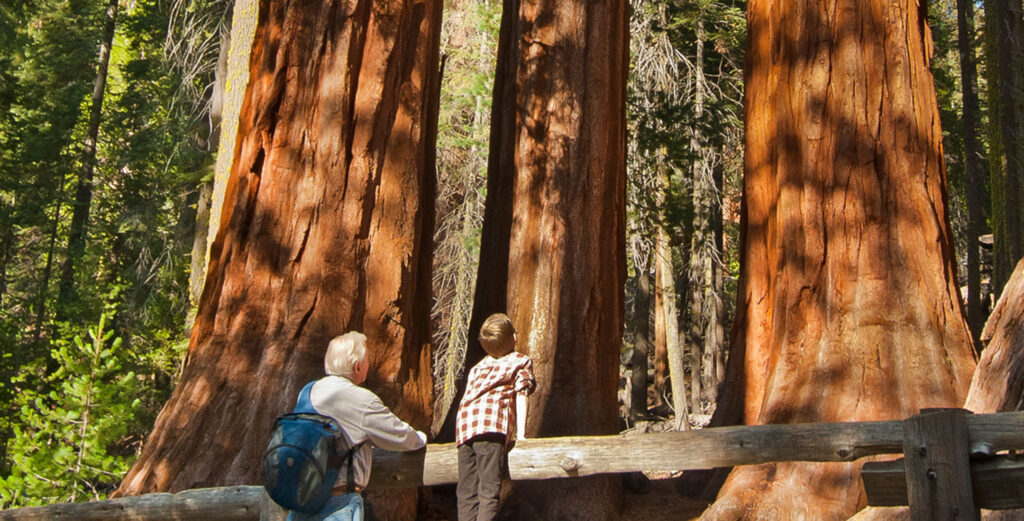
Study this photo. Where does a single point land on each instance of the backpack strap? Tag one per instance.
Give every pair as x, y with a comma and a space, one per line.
335, 460
349, 459
305, 405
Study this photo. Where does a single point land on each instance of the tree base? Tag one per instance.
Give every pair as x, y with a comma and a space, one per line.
792, 491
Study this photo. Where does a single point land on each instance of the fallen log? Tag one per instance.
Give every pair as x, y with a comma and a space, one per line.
241, 503
547, 458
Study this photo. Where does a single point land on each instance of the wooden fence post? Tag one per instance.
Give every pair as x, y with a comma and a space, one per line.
935, 446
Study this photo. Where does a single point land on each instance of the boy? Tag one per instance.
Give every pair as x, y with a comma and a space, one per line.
363, 417
487, 421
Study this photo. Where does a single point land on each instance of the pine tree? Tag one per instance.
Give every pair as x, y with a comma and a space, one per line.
68, 442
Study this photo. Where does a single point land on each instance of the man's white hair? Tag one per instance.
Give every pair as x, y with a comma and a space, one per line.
344, 352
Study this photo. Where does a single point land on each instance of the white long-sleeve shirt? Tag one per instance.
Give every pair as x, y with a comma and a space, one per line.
364, 417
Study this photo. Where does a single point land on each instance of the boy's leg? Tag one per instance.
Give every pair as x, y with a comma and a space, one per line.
466, 490
490, 467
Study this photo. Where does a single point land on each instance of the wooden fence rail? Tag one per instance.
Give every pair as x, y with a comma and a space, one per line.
548, 458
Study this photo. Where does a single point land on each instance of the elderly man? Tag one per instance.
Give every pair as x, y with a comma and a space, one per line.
363, 417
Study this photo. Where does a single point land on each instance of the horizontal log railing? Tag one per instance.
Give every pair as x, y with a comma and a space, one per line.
547, 458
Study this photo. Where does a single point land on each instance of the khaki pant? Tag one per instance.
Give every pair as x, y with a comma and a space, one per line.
482, 464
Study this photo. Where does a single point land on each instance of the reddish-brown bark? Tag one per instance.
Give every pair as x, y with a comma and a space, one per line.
553, 245
998, 384
326, 228
848, 307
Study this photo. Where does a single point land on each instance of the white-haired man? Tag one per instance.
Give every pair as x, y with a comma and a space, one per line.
364, 418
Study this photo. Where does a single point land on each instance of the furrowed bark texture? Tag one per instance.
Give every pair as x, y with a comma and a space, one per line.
327, 228
848, 306
553, 251
998, 383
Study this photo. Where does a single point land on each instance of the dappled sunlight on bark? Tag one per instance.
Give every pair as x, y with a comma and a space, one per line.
327, 228
848, 306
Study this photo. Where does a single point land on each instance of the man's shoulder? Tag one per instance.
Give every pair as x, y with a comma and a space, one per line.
344, 386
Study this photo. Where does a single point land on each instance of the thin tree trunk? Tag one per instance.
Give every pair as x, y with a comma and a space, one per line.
847, 306
44, 282
83, 195
972, 165
326, 228
713, 312
702, 251
674, 346
201, 238
558, 162
674, 342
713, 365
661, 372
244, 14
6, 245
1003, 18
199, 242
641, 347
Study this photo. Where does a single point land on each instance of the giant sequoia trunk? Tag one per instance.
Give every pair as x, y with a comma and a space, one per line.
326, 228
553, 245
848, 307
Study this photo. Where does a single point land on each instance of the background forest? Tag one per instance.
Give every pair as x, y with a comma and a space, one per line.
112, 152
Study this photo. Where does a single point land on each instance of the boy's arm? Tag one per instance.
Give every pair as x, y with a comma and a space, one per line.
520, 416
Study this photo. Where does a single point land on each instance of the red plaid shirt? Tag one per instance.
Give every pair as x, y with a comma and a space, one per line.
489, 403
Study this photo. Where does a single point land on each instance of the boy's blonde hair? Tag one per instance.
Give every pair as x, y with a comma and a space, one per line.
344, 352
497, 336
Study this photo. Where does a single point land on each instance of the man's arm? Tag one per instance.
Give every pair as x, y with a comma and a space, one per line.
388, 432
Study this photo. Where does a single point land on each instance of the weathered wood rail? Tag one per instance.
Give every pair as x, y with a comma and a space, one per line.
568, 457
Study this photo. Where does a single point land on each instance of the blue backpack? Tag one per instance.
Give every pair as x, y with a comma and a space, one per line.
305, 453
